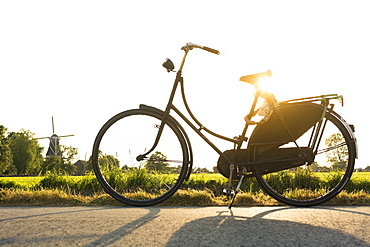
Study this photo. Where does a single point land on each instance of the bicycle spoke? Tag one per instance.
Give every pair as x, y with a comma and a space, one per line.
331, 148
163, 160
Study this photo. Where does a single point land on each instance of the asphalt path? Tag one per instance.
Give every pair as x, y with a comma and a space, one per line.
184, 226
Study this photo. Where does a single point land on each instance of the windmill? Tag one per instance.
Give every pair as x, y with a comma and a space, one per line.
53, 149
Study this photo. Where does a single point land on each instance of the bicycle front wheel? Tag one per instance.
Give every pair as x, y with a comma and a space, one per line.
141, 181
317, 179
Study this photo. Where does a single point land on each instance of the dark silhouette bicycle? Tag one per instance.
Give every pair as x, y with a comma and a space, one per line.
301, 152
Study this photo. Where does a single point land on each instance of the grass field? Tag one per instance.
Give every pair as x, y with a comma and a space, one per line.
201, 190
32, 181
361, 175
23, 181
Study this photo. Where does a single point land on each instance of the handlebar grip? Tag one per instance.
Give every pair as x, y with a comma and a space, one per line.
211, 50
189, 46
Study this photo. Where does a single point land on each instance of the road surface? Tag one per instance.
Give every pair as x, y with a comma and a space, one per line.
184, 226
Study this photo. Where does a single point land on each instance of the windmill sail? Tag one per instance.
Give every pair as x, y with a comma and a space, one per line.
53, 149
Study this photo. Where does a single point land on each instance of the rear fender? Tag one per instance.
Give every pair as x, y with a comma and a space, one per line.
350, 129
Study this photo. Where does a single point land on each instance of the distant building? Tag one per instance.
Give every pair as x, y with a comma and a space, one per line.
81, 167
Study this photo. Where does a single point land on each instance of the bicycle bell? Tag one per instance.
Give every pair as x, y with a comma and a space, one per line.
168, 64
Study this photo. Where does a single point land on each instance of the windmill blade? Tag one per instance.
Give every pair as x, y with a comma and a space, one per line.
66, 135
52, 123
42, 138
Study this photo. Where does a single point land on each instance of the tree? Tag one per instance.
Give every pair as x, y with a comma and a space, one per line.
314, 167
157, 162
200, 170
26, 152
106, 162
215, 169
177, 169
338, 156
63, 163
5, 153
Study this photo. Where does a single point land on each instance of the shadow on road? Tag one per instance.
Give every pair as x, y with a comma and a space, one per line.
125, 230
167, 226
230, 230
53, 213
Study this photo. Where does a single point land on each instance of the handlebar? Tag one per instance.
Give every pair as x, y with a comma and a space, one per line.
189, 46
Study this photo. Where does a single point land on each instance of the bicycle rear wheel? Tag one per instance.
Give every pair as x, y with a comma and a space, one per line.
312, 180
150, 180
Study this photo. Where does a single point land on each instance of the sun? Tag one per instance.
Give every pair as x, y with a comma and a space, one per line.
266, 84
264, 81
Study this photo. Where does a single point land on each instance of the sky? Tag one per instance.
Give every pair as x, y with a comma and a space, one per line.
84, 61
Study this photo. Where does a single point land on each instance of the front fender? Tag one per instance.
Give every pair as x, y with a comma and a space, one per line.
178, 125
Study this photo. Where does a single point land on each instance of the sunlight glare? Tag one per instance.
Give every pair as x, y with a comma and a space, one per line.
282, 90
266, 84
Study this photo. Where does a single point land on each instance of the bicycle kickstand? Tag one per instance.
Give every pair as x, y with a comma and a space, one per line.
236, 191
229, 192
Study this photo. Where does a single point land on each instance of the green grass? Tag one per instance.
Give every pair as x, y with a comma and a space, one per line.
361, 175
23, 181
200, 190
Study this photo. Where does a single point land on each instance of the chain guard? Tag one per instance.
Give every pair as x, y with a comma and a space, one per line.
276, 159
223, 165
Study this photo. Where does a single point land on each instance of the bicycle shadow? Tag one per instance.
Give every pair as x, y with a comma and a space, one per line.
127, 229
230, 230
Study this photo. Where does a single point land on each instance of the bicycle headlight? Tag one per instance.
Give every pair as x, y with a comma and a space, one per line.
168, 64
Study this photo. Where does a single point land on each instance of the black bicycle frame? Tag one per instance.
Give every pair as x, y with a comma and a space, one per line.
238, 141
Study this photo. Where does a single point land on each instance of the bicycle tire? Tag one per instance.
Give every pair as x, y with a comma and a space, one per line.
128, 135
309, 184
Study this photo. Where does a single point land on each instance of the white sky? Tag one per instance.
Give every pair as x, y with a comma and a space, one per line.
84, 61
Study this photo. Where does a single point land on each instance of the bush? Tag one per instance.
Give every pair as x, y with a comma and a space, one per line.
8, 185
78, 185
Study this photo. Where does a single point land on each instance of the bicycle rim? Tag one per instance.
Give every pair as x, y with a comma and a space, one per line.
312, 183
151, 180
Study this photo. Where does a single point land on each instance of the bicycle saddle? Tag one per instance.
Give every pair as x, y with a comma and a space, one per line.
253, 79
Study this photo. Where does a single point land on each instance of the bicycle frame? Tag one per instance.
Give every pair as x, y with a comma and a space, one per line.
198, 127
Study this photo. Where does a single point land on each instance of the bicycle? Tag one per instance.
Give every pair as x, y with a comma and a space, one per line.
142, 156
